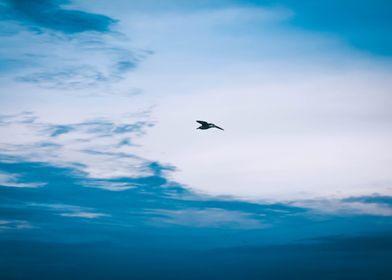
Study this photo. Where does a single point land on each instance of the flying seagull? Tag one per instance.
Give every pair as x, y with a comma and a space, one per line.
206, 125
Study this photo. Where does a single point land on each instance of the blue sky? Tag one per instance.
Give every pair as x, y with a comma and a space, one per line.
103, 173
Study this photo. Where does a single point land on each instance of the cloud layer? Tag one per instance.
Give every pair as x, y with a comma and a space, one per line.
104, 175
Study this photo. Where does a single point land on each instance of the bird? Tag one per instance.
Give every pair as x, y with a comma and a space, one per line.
206, 125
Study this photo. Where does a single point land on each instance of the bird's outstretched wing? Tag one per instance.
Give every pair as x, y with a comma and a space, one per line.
218, 127
203, 123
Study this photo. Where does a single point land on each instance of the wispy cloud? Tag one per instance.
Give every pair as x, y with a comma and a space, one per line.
68, 49
110, 185
87, 215
68, 78
345, 207
67, 210
14, 225
88, 146
15, 181
207, 217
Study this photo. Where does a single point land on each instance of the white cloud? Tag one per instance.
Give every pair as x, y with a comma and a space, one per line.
87, 215
110, 186
341, 207
14, 225
206, 217
13, 180
304, 115
67, 210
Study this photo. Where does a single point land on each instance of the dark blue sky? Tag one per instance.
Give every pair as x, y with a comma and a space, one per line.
159, 229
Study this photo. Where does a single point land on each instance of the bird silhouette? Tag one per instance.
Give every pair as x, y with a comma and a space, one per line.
206, 125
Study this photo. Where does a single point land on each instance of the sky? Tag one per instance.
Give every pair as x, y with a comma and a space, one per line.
103, 174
